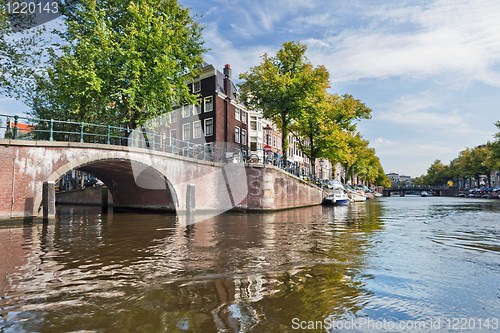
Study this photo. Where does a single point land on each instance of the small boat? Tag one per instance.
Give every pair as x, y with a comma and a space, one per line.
424, 194
356, 196
377, 195
337, 196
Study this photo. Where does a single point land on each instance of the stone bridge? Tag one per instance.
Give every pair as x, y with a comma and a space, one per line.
139, 178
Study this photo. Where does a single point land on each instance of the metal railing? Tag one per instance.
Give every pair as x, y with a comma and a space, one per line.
25, 128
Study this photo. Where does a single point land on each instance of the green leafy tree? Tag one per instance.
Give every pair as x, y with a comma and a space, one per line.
494, 157
437, 174
283, 86
20, 55
323, 128
122, 61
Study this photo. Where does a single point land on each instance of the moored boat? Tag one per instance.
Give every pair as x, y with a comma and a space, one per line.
424, 194
356, 196
337, 196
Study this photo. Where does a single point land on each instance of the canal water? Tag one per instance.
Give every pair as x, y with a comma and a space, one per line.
389, 265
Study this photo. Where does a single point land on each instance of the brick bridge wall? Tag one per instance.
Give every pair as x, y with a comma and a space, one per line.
140, 178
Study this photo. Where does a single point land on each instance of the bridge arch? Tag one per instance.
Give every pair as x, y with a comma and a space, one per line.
132, 183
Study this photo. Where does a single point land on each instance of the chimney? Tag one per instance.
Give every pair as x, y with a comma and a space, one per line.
227, 71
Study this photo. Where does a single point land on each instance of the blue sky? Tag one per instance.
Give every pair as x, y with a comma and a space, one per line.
428, 69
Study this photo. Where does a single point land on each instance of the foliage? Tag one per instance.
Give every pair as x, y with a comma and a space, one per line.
293, 95
437, 174
20, 56
123, 61
471, 163
324, 128
283, 86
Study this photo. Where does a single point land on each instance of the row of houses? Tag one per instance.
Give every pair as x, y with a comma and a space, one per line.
221, 116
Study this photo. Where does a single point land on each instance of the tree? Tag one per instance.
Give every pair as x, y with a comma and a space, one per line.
322, 129
124, 61
283, 86
437, 174
20, 55
494, 158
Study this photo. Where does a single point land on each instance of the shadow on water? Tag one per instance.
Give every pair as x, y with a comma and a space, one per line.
234, 272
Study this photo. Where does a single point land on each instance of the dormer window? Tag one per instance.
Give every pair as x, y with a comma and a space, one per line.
196, 86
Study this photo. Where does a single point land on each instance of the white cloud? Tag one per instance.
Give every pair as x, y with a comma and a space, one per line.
447, 37
222, 52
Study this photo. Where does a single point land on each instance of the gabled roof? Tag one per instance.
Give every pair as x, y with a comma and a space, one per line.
23, 127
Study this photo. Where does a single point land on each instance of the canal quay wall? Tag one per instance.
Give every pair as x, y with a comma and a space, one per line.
97, 196
142, 179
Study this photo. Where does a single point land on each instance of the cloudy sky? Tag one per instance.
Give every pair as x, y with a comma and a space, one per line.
428, 69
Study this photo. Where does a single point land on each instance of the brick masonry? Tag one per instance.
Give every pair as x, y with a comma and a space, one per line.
145, 179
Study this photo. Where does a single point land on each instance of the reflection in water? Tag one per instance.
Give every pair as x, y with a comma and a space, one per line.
393, 259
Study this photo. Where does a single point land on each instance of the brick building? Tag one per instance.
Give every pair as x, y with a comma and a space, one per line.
218, 116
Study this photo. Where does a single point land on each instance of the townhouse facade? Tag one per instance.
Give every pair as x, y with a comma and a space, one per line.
217, 118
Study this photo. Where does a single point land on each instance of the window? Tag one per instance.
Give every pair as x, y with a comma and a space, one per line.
209, 106
244, 137
196, 87
259, 126
237, 114
279, 142
185, 111
253, 125
197, 108
274, 141
173, 116
186, 131
209, 127
197, 129
243, 117
237, 134
173, 135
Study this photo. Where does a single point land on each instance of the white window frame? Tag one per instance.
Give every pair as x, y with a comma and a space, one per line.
196, 86
184, 136
244, 137
237, 133
211, 103
173, 116
194, 129
237, 114
171, 136
244, 115
205, 127
186, 111
253, 122
197, 108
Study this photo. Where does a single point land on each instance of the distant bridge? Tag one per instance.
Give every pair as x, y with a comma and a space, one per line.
440, 191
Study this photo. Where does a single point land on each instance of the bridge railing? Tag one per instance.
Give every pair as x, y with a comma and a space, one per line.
26, 128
